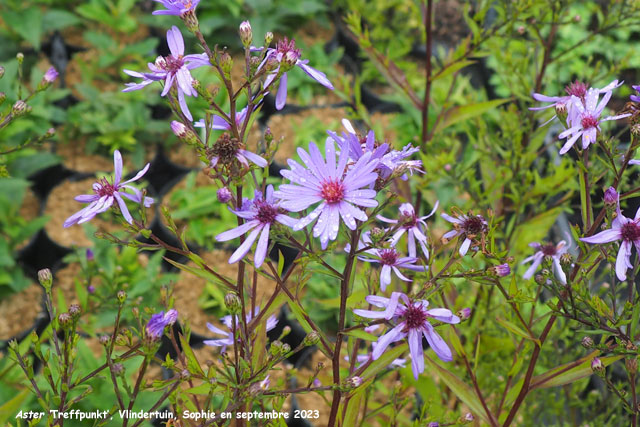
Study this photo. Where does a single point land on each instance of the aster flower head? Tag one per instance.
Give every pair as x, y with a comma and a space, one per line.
553, 252
228, 321
576, 89
157, 323
584, 119
176, 7
50, 76
413, 225
259, 214
628, 231
286, 56
325, 182
107, 192
411, 319
173, 70
227, 149
467, 226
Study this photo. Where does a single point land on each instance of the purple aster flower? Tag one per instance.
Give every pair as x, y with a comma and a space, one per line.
390, 261
50, 76
635, 98
286, 55
228, 322
577, 89
412, 321
414, 226
625, 229
611, 196
176, 7
501, 270
392, 162
157, 323
584, 119
547, 250
227, 149
325, 182
259, 214
106, 193
467, 226
172, 69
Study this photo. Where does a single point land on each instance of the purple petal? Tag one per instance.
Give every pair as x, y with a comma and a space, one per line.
464, 247
318, 76
436, 342
622, 260
138, 175
417, 354
245, 246
123, 208
261, 248
117, 165
281, 95
605, 236
237, 232
175, 41
383, 342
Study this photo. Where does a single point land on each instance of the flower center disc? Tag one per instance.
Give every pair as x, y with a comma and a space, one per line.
630, 232
266, 212
106, 188
415, 317
332, 191
589, 122
388, 256
549, 249
473, 225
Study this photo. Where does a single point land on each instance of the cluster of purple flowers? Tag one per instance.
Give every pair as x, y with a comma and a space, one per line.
582, 111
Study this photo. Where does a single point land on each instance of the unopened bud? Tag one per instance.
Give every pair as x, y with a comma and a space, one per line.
3, 96
268, 136
224, 195
276, 348
246, 34
354, 382
501, 270
49, 77
289, 60
577, 18
104, 340
597, 366
64, 319
611, 197
433, 424
464, 314
271, 65
254, 63
566, 260
91, 289
184, 133
117, 368
185, 374
75, 310
232, 302
521, 29
121, 296
20, 108
632, 364
587, 342
45, 278
561, 111
226, 63
376, 234
635, 130
268, 38
540, 280
90, 255
1, 71
20, 57
312, 338
468, 417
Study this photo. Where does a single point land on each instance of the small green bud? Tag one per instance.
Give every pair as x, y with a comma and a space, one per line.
268, 38
45, 279
20, 108
117, 369
246, 34
312, 338
587, 342
226, 63
1, 71
64, 319
20, 57
632, 364
354, 382
74, 311
233, 303
104, 340
598, 367
121, 296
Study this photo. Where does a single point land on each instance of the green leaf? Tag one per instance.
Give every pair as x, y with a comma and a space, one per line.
192, 362
383, 361
27, 23
516, 330
465, 112
450, 69
10, 408
359, 333
57, 19
459, 388
581, 369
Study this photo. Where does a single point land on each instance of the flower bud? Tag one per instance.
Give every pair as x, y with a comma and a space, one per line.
272, 64
224, 195
91, 289
467, 418
611, 197
117, 368
561, 111
184, 133
540, 280
268, 38
276, 348
49, 77
289, 60
577, 18
635, 130
597, 366
312, 338
104, 340
246, 34
226, 63
90, 255
434, 424
632, 364
185, 374
64, 319
232, 302
3, 96
20, 57
376, 234
254, 63
566, 260
1, 71
20, 108
75, 310
587, 342
354, 382
45, 278
501, 270
121, 296
464, 314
